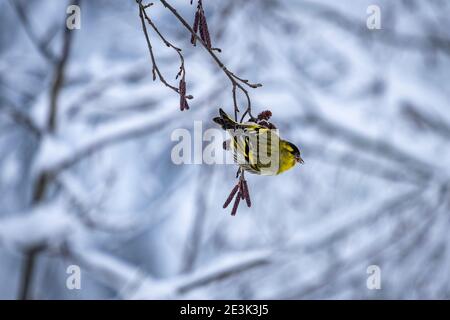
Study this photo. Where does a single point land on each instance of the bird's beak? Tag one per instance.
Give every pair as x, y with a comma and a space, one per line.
300, 160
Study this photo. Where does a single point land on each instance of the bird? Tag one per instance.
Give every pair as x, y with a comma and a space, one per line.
258, 149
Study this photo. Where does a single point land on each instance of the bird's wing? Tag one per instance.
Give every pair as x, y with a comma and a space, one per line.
256, 149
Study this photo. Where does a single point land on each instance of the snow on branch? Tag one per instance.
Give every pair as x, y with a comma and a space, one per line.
131, 282
89, 211
229, 265
422, 168
45, 226
56, 155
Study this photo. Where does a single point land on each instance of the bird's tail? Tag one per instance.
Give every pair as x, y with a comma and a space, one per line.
225, 121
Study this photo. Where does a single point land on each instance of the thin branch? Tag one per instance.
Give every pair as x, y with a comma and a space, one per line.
237, 82
155, 70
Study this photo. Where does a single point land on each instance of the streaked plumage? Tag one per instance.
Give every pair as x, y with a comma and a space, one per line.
257, 149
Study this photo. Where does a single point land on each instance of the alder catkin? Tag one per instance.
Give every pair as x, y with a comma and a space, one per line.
236, 204
182, 90
241, 189
231, 196
246, 193
195, 28
204, 32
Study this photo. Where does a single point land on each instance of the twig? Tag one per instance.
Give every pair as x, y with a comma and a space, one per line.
181, 90
155, 69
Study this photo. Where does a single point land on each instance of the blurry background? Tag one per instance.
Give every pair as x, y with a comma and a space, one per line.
368, 108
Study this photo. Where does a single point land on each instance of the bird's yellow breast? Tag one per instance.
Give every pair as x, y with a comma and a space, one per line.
287, 160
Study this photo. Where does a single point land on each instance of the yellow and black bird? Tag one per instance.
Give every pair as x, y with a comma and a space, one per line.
258, 149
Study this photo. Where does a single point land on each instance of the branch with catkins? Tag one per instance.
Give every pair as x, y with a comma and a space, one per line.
239, 192
181, 89
199, 33
201, 26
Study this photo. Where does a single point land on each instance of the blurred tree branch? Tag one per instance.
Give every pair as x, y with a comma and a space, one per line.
31, 232
195, 234
41, 45
406, 213
351, 160
97, 86
44, 179
379, 148
435, 124
20, 117
58, 78
396, 206
430, 42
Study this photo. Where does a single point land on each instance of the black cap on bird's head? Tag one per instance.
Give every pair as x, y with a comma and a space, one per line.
296, 153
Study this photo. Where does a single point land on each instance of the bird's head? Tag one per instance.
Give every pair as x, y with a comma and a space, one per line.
292, 149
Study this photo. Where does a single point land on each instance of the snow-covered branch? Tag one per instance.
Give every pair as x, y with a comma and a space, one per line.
379, 148
329, 14
49, 228
56, 155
